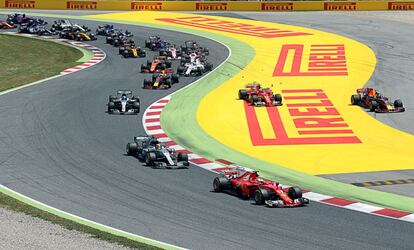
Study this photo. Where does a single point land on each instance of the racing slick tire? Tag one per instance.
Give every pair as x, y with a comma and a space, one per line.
168, 64
398, 103
111, 98
147, 84
243, 94
163, 66
180, 70
355, 99
220, 184
147, 43
261, 195
206, 51
373, 106
137, 107
209, 66
168, 83
174, 78
150, 158
131, 148
294, 193
278, 98
143, 68
111, 106
163, 53
255, 99
182, 156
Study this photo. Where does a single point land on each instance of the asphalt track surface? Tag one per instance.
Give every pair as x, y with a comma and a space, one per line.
58, 146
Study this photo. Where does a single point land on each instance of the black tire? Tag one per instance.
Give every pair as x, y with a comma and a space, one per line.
373, 106
150, 157
168, 83
147, 43
294, 193
220, 184
255, 99
182, 156
149, 62
137, 107
278, 98
209, 66
147, 83
355, 99
143, 68
168, 64
111, 98
131, 148
398, 103
180, 70
163, 53
111, 106
243, 94
261, 195
174, 78
162, 66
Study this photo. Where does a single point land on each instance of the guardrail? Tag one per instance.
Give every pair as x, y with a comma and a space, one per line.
208, 5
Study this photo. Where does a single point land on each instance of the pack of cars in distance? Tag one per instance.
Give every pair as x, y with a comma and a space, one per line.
376, 102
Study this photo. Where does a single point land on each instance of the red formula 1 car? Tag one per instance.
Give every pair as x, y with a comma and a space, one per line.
376, 102
255, 95
157, 65
247, 184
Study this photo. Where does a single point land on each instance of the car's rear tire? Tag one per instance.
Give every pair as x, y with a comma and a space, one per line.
373, 106
220, 184
294, 193
180, 70
131, 148
111, 106
261, 195
150, 158
355, 99
174, 78
137, 107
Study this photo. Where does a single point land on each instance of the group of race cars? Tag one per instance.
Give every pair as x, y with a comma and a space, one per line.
193, 61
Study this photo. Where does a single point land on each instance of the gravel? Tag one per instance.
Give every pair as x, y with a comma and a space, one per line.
21, 231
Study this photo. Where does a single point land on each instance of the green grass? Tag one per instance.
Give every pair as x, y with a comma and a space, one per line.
18, 206
24, 60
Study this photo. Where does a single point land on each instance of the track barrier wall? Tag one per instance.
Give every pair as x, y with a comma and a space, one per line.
209, 5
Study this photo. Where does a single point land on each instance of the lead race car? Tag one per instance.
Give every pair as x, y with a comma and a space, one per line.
376, 102
124, 103
255, 95
247, 184
155, 154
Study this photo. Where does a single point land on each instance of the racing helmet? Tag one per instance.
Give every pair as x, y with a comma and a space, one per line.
157, 146
124, 97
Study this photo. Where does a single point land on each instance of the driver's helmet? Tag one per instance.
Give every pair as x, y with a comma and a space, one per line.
254, 176
123, 97
372, 92
163, 73
157, 146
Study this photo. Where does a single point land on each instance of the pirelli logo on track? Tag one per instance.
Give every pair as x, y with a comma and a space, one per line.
146, 6
81, 5
233, 27
401, 5
339, 6
311, 118
20, 4
277, 6
211, 6
315, 60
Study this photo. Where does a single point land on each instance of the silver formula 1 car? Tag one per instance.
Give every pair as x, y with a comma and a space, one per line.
124, 103
155, 154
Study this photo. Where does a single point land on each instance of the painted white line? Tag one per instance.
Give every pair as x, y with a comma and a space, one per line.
315, 196
363, 207
409, 218
153, 124
152, 117
156, 131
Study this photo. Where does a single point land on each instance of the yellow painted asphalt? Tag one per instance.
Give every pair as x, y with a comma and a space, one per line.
316, 131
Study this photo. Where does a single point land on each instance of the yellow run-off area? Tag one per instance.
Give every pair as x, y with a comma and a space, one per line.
316, 130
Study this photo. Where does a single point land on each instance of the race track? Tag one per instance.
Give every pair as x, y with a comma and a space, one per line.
58, 146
